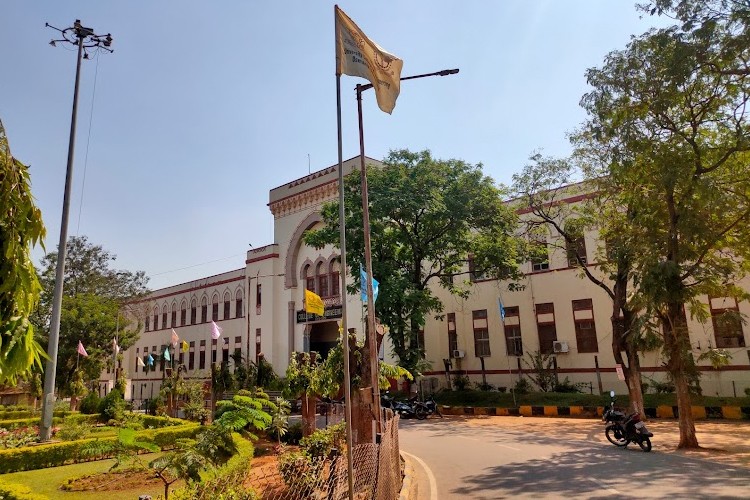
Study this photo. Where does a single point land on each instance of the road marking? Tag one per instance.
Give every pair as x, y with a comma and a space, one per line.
606, 488
430, 476
496, 444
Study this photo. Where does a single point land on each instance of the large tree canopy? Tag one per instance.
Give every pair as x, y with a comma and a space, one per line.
94, 295
21, 227
675, 127
427, 217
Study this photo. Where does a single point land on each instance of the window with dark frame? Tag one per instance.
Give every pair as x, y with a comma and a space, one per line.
191, 356
481, 333
215, 308
575, 249
452, 334
164, 317
156, 318
545, 324
335, 277
193, 312
727, 322
475, 274
585, 328
512, 330
183, 314
202, 356
258, 297
227, 305
137, 355
148, 321
238, 312
174, 315
540, 259
204, 310
225, 351
322, 278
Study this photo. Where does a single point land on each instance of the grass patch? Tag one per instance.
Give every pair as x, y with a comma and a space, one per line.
505, 400
47, 481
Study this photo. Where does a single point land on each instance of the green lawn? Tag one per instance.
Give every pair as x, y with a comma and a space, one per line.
47, 482
505, 400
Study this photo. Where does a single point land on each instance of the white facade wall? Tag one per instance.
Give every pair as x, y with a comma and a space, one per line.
272, 285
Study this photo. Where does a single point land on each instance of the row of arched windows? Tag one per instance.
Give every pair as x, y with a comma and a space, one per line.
170, 319
323, 277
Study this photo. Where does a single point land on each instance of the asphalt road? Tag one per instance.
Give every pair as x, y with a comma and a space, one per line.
512, 457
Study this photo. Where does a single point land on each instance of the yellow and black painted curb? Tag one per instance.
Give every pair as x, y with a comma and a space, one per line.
699, 412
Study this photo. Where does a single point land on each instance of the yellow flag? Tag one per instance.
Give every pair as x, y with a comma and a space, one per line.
185, 346
313, 303
357, 55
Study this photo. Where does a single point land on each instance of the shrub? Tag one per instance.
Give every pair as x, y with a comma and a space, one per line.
18, 437
154, 422
112, 406
299, 473
90, 404
484, 386
322, 441
10, 491
522, 386
293, 434
502, 389
747, 391
70, 431
461, 382
566, 386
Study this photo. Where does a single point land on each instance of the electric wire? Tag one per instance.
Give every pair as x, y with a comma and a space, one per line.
88, 141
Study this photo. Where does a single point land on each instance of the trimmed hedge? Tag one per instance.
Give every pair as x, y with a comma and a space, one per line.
11, 491
16, 414
56, 421
61, 453
159, 422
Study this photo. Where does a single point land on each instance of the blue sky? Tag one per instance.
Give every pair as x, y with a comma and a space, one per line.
206, 106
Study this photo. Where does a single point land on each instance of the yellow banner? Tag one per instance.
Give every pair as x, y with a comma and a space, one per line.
185, 346
313, 303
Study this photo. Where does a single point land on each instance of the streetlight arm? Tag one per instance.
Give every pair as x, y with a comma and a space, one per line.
445, 72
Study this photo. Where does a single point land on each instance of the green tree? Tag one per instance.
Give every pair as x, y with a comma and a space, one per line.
677, 139
21, 228
427, 217
245, 412
541, 188
95, 296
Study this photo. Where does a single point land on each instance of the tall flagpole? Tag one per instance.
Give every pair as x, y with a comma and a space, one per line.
342, 274
372, 340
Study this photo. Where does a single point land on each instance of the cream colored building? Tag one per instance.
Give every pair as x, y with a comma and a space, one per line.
260, 310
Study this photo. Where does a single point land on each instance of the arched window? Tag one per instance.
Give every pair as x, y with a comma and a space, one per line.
183, 313
174, 314
238, 304
148, 321
204, 309
309, 278
322, 278
156, 317
227, 301
164, 316
215, 308
335, 277
193, 311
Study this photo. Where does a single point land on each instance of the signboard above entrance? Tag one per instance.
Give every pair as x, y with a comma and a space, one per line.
333, 312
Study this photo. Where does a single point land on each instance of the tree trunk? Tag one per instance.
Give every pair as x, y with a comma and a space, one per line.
677, 347
308, 415
633, 379
688, 439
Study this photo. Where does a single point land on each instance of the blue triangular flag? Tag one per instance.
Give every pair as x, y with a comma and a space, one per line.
363, 290
167, 357
150, 360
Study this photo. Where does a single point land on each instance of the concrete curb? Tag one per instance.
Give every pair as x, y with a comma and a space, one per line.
409, 489
699, 412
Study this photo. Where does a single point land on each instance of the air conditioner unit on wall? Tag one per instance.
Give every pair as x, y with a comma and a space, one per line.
559, 346
458, 353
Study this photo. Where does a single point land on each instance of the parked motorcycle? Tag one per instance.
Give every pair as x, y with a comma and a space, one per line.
406, 409
432, 407
622, 429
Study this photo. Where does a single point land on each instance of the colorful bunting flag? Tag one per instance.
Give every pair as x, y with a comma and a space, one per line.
215, 331
81, 350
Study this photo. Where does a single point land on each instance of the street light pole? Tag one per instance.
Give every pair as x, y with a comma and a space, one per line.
372, 344
84, 38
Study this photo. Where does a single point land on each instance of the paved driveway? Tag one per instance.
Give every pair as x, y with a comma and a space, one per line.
522, 457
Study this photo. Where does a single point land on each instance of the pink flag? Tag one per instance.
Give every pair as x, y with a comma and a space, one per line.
81, 350
175, 338
215, 331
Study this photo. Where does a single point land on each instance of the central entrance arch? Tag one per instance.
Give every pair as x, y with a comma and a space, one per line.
324, 335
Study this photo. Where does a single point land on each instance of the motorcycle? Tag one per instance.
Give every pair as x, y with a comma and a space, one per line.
432, 407
622, 429
406, 409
